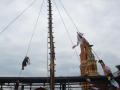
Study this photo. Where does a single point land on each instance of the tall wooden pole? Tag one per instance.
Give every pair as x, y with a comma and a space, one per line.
52, 51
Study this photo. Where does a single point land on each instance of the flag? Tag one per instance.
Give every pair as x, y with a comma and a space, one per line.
79, 39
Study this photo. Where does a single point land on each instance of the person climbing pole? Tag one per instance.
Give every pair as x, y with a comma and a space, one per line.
25, 62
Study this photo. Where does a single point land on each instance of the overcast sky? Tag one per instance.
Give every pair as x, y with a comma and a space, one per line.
98, 19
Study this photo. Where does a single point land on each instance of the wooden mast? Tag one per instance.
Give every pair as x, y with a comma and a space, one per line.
52, 51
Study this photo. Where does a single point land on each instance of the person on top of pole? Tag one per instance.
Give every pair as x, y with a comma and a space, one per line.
25, 62
108, 73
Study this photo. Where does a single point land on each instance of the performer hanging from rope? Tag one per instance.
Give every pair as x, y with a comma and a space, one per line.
25, 62
108, 73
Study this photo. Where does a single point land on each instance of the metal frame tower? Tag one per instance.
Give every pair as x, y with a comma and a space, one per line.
52, 51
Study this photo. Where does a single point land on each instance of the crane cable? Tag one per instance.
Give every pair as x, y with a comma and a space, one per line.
9, 24
33, 32
65, 28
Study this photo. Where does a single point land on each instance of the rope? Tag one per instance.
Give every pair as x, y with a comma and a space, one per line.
66, 28
73, 22
9, 24
96, 54
68, 15
34, 29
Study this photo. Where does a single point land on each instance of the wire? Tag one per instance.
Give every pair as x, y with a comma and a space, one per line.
96, 54
65, 28
73, 22
68, 15
9, 24
34, 29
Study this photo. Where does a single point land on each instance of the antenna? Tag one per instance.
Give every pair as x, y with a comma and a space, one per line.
52, 51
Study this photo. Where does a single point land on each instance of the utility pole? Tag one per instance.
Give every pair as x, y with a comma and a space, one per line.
52, 51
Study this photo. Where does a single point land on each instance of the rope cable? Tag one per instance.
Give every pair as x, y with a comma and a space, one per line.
74, 23
9, 24
65, 27
96, 54
34, 29
68, 15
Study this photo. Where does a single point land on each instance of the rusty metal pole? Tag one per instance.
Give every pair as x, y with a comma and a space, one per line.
52, 51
